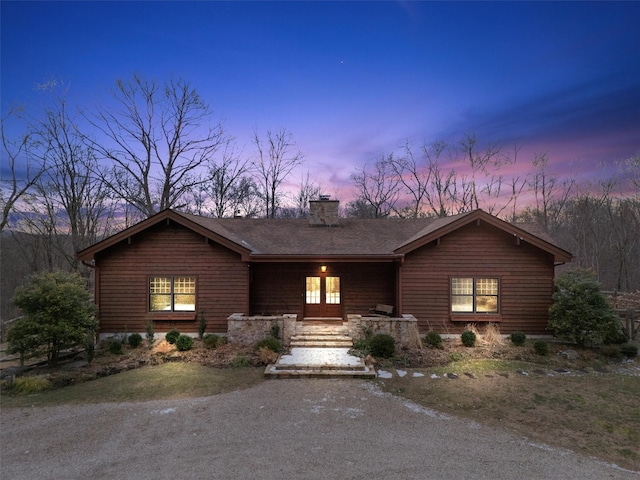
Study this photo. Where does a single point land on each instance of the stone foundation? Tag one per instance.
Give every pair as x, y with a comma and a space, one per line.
249, 330
404, 330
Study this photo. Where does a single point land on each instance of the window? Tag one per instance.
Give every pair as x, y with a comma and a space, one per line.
172, 294
474, 295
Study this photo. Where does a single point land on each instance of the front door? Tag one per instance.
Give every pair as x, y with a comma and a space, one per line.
322, 297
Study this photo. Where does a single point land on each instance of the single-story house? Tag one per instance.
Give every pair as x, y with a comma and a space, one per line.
445, 272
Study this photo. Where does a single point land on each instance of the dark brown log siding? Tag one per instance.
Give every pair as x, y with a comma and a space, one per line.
279, 288
525, 272
221, 280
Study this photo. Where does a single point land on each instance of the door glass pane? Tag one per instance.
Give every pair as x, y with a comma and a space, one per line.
313, 290
333, 290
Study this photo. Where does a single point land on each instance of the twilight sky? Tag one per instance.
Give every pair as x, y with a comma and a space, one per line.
354, 80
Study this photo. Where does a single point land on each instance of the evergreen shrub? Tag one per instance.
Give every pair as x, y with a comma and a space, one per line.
134, 340
433, 339
468, 338
518, 338
172, 336
541, 347
184, 343
211, 341
629, 350
382, 345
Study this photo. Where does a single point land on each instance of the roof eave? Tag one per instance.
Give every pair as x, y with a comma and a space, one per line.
301, 258
89, 253
560, 255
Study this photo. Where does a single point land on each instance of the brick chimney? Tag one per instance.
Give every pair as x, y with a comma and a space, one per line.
324, 212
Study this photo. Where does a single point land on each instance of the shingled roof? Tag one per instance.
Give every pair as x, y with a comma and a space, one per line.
296, 239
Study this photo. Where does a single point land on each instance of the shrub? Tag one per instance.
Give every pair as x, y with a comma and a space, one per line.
269, 342
150, 333
468, 338
611, 351
541, 347
22, 338
30, 385
433, 339
172, 336
134, 340
518, 338
184, 343
629, 350
382, 345
90, 345
580, 311
240, 361
60, 308
363, 346
456, 356
267, 356
491, 335
202, 324
211, 340
114, 346
275, 330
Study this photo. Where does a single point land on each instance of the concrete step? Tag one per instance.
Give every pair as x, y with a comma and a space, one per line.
306, 362
320, 343
320, 336
302, 330
318, 373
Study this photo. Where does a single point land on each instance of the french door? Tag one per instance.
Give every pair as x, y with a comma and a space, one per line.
322, 297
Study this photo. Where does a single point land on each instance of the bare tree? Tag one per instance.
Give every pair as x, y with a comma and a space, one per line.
23, 169
158, 138
415, 180
225, 181
307, 190
550, 193
482, 161
378, 186
276, 158
76, 202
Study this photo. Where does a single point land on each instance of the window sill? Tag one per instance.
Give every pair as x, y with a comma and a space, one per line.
173, 316
476, 317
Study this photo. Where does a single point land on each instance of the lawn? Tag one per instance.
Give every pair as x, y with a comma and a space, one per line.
596, 414
166, 381
591, 408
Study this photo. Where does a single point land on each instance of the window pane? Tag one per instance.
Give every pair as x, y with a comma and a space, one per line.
333, 290
159, 302
487, 286
462, 286
486, 303
462, 303
313, 290
184, 303
160, 285
184, 285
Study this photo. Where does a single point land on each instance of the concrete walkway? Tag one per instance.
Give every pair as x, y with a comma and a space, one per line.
279, 429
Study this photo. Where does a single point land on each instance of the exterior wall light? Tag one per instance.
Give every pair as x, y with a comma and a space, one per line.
323, 268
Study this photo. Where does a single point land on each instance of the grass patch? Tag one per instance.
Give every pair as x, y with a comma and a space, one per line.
167, 381
596, 415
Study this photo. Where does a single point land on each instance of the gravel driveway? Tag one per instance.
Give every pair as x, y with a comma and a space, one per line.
278, 429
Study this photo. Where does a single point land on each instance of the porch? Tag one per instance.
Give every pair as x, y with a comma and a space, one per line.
319, 347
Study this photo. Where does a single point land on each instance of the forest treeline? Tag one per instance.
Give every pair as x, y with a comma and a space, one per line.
73, 176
